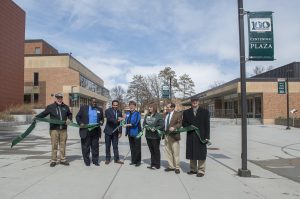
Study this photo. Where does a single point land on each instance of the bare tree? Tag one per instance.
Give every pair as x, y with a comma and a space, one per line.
258, 70
154, 86
186, 86
165, 75
118, 93
215, 84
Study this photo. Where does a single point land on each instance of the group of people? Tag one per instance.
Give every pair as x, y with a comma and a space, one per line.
157, 127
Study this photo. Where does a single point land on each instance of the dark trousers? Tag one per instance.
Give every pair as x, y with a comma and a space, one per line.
153, 145
112, 139
90, 143
135, 149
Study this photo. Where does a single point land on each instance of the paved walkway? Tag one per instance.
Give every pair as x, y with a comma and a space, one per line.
272, 151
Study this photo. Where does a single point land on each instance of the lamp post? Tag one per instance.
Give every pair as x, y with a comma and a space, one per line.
287, 102
243, 172
72, 98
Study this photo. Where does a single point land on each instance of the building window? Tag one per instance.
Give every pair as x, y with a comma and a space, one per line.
37, 50
89, 85
27, 98
35, 79
36, 98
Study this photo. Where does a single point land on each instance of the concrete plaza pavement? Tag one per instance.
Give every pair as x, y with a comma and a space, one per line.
273, 154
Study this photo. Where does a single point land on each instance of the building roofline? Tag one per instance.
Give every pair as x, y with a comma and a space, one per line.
250, 79
46, 55
19, 7
64, 54
39, 40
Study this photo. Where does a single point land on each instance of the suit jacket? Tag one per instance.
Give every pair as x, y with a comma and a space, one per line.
82, 117
175, 122
112, 121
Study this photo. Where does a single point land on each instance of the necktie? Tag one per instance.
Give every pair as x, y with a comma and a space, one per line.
168, 121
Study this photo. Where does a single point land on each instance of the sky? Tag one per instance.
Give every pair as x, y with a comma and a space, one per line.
118, 39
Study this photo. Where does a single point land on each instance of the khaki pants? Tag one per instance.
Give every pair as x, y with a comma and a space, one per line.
58, 137
172, 150
200, 168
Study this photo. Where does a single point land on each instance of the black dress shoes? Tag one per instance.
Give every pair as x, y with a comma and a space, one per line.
96, 164
52, 164
65, 163
200, 174
138, 164
177, 171
169, 169
191, 172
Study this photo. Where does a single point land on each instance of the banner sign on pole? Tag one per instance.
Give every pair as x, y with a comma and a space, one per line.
260, 32
165, 92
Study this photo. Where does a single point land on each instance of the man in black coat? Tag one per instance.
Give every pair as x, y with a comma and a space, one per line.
90, 114
195, 149
58, 111
113, 118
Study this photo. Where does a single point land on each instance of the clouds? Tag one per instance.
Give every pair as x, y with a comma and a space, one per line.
117, 39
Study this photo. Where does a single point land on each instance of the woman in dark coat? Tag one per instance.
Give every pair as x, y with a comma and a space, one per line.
155, 120
195, 149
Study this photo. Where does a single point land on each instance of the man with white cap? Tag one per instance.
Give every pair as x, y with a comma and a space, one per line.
58, 111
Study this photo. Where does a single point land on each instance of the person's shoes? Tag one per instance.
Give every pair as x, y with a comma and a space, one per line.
138, 164
157, 167
52, 164
96, 164
119, 162
65, 163
191, 172
150, 167
200, 174
177, 171
107, 162
87, 164
131, 163
169, 169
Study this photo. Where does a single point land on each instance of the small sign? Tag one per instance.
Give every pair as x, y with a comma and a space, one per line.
165, 92
261, 41
281, 87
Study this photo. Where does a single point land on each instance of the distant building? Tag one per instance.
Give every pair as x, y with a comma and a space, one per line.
263, 100
47, 72
12, 35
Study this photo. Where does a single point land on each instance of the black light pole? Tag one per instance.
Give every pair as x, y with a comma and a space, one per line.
243, 172
287, 103
171, 88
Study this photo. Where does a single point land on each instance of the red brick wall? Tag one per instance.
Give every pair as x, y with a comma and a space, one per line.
274, 105
45, 48
12, 36
51, 81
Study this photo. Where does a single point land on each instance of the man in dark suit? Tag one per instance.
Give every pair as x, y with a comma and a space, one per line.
113, 118
173, 121
90, 114
195, 149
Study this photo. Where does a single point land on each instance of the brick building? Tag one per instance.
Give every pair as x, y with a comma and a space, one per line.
47, 72
12, 36
263, 100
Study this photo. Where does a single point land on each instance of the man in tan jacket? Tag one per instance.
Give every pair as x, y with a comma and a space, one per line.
173, 121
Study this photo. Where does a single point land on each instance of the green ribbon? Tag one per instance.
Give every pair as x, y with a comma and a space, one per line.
179, 130
18, 139
122, 123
